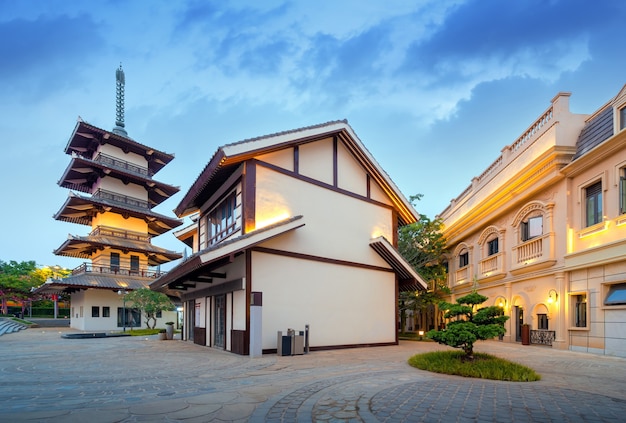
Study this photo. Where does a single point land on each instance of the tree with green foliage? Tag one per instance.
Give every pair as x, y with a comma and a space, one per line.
423, 245
17, 280
471, 324
150, 302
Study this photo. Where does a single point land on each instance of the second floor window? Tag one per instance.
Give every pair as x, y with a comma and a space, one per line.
115, 262
593, 204
622, 118
222, 220
492, 247
134, 263
622, 191
463, 259
531, 228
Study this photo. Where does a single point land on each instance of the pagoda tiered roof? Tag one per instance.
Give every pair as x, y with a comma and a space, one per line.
86, 246
86, 138
82, 209
81, 174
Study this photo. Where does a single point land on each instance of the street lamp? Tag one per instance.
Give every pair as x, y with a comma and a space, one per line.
123, 293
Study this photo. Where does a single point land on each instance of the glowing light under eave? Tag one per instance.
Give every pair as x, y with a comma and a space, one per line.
268, 220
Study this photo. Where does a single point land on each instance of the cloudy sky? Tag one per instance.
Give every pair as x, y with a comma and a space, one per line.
434, 88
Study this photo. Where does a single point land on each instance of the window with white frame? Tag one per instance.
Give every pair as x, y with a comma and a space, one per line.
593, 204
531, 227
622, 118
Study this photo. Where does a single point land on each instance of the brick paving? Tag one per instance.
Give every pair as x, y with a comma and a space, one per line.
46, 378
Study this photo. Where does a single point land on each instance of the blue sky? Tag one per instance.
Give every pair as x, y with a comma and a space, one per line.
434, 88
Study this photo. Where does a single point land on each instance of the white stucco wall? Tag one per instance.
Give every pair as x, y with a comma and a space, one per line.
343, 305
338, 226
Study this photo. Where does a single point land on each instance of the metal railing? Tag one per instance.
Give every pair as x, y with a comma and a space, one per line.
111, 161
120, 233
122, 199
542, 337
116, 270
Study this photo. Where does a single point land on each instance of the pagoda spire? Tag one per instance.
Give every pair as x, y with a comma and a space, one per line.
120, 81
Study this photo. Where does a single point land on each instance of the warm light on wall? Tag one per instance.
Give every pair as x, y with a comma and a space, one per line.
270, 220
501, 302
552, 296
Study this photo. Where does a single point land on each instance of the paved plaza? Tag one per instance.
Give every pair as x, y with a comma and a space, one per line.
46, 378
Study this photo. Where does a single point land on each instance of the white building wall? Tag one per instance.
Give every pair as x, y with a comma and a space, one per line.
343, 305
338, 226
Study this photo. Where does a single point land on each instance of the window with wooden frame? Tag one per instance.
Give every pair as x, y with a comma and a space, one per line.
593, 204
222, 220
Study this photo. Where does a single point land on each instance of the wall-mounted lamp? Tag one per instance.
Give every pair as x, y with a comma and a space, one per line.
552, 296
501, 302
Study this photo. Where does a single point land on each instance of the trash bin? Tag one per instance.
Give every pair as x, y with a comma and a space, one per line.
283, 344
525, 334
298, 344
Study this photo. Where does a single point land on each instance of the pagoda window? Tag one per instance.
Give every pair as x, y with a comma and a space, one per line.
134, 264
115, 262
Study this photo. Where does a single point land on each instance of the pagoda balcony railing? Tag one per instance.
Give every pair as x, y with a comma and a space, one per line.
121, 199
120, 233
116, 270
111, 161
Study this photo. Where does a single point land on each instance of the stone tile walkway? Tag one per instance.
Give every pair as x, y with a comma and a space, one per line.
46, 378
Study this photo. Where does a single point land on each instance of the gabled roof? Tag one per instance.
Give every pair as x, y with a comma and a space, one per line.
226, 158
81, 209
85, 138
86, 246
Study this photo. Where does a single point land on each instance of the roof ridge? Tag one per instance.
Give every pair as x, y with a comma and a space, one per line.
287, 132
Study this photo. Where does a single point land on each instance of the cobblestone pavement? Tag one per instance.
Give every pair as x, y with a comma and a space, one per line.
46, 378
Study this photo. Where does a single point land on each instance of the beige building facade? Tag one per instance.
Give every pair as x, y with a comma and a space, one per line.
542, 231
291, 230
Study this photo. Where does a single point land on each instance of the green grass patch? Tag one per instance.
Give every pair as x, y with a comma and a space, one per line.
142, 332
483, 366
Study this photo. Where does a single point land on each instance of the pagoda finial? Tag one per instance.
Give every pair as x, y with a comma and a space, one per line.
120, 81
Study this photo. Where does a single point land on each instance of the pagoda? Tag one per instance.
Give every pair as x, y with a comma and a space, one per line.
112, 190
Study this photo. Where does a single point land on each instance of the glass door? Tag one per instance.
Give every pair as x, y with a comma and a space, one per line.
219, 321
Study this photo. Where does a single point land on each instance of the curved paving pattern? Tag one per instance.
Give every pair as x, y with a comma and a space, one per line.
49, 379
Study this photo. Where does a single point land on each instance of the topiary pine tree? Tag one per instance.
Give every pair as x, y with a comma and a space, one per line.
470, 326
